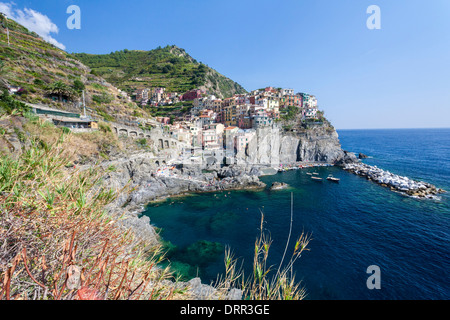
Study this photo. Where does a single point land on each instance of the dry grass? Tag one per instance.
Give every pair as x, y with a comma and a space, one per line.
57, 243
76, 147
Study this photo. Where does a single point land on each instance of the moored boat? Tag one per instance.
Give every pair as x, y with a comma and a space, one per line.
331, 178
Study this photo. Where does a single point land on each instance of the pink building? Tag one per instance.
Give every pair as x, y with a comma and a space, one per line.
242, 139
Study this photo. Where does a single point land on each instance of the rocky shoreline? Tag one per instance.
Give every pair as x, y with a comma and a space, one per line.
138, 181
404, 185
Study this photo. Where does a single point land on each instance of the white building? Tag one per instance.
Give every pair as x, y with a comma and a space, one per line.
210, 139
287, 92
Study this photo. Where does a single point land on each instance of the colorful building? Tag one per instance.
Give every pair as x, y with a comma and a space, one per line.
191, 95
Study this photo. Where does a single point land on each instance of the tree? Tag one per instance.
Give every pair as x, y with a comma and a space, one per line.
61, 89
78, 85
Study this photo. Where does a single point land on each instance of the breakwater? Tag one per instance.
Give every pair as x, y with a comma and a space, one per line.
417, 189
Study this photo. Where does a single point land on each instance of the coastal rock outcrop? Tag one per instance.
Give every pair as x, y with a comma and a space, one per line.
362, 156
273, 146
278, 186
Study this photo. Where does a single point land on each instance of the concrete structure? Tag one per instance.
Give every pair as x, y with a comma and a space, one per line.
128, 131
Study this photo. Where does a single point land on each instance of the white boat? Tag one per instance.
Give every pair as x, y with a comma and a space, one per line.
331, 178
316, 178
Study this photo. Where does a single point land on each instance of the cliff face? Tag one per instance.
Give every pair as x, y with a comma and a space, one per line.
273, 146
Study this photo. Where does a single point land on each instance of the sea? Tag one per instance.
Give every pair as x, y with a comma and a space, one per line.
367, 242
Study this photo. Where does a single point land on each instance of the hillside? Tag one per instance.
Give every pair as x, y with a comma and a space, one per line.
44, 74
170, 67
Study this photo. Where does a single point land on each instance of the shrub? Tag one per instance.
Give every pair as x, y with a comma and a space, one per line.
9, 105
103, 98
142, 142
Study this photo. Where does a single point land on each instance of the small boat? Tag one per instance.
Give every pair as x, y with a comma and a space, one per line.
309, 173
316, 178
331, 178
315, 173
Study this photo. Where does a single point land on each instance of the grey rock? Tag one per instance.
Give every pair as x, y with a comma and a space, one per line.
362, 156
278, 186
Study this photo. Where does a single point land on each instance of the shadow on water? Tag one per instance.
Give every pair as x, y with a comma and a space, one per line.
189, 261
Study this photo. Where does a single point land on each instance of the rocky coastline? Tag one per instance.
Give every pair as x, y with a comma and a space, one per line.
143, 181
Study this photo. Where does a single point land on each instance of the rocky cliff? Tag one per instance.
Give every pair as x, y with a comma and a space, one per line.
274, 146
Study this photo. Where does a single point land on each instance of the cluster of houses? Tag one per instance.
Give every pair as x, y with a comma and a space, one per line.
259, 108
158, 96
229, 124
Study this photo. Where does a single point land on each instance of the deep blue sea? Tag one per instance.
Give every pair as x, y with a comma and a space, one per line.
354, 224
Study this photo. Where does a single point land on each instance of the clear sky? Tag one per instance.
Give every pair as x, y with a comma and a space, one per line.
394, 77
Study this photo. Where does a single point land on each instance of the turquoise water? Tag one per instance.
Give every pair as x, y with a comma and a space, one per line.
354, 224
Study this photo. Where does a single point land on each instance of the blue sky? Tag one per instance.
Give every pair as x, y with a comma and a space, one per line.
395, 77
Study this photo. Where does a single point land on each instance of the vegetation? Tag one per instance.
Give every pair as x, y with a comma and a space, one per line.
175, 110
10, 106
62, 90
57, 242
265, 283
142, 143
170, 67
290, 114
41, 71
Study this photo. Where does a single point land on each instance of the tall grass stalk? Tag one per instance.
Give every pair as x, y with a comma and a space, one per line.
264, 283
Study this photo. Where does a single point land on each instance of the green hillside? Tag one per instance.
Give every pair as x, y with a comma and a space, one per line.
170, 67
50, 76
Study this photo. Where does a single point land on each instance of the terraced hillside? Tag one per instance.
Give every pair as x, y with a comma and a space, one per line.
47, 75
170, 67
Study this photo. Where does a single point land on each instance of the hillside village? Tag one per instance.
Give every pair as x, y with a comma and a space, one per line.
229, 124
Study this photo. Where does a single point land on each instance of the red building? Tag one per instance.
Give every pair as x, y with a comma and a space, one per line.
191, 95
